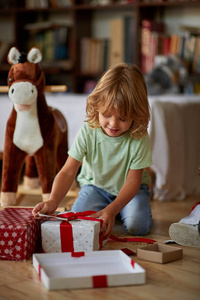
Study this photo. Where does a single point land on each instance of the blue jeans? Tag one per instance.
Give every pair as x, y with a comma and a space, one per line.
135, 216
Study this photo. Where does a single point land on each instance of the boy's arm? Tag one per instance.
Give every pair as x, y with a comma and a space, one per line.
61, 186
126, 194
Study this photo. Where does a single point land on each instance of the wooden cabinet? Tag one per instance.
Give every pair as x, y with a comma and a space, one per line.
78, 25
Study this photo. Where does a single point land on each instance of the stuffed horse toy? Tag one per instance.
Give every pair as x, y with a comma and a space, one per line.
35, 133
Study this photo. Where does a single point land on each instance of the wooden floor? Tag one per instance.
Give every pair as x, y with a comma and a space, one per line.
175, 280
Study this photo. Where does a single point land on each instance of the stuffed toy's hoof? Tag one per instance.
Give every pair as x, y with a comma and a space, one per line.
8, 199
45, 197
31, 183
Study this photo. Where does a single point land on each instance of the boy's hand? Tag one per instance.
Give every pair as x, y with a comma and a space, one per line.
108, 222
48, 207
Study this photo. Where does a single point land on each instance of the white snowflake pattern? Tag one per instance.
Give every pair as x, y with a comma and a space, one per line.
6, 234
18, 248
6, 251
14, 234
10, 243
19, 240
10, 226
2, 226
2, 243
17, 256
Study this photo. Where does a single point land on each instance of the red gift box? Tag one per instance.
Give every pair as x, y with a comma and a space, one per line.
20, 234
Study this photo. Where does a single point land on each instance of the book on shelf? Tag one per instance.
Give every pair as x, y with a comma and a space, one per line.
129, 33
116, 41
53, 3
174, 44
166, 45
93, 55
48, 45
122, 32
84, 50
105, 59
30, 3
196, 60
151, 31
61, 36
188, 50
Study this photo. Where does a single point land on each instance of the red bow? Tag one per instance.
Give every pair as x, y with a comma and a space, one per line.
77, 215
66, 228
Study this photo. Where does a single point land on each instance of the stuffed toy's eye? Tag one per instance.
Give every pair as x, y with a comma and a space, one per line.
10, 79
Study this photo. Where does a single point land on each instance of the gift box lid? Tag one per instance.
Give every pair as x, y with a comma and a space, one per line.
160, 253
87, 269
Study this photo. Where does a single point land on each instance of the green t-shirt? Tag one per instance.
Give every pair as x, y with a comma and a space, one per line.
107, 160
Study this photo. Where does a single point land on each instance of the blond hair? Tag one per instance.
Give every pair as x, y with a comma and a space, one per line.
123, 88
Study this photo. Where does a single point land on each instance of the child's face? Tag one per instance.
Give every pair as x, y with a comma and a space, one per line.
112, 124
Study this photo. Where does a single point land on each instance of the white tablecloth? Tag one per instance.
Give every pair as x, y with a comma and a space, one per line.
175, 140
174, 132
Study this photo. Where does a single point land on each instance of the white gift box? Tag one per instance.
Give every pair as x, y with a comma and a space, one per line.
87, 270
70, 236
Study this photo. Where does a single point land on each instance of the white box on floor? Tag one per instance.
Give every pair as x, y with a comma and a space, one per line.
93, 269
75, 235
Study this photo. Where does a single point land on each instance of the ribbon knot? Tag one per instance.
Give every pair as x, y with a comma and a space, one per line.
76, 215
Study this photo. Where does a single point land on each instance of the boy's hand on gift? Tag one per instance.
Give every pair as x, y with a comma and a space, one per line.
47, 208
108, 222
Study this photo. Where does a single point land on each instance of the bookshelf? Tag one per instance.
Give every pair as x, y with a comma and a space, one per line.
79, 39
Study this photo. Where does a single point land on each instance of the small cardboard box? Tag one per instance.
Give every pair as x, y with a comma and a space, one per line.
160, 253
93, 269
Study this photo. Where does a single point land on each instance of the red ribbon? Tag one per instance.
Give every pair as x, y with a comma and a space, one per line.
77, 215
78, 254
99, 281
39, 271
137, 240
66, 233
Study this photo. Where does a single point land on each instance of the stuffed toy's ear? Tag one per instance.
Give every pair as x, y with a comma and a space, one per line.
13, 56
34, 56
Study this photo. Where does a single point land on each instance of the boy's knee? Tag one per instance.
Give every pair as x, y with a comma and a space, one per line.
136, 227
